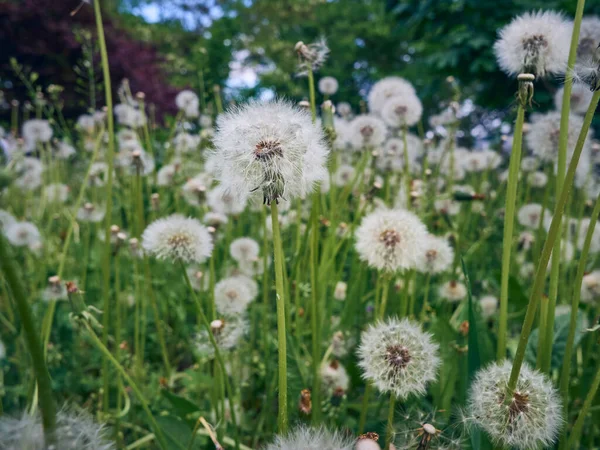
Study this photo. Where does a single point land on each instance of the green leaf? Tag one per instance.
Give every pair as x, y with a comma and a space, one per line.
474, 355
561, 333
177, 433
182, 407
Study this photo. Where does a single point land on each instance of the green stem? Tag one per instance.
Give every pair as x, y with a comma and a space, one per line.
281, 334
566, 365
509, 221
311, 94
218, 356
34, 344
540, 276
136, 390
389, 434
365, 408
314, 313
576, 432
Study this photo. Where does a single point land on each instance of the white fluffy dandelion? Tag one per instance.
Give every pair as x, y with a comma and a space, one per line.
437, 255
306, 438
452, 291
542, 138
386, 88
589, 37
398, 357
195, 189
233, 295
74, 431
367, 131
402, 110
36, 131
530, 420
269, 147
225, 201
6, 219
56, 193
530, 215
21, 234
328, 85
488, 305
391, 240
344, 175
334, 377
188, 103
590, 287
178, 238
244, 250
535, 43
581, 97
227, 333
312, 56
91, 213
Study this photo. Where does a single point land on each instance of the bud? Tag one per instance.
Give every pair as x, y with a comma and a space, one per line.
155, 200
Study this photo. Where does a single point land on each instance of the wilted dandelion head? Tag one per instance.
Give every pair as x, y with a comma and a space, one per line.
307, 438
436, 255
74, 431
529, 420
178, 238
367, 131
536, 43
272, 147
543, 135
328, 85
402, 110
188, 103
386, 88
398, 357
244, 250
391, 240
234, 294
227, 332
312, 56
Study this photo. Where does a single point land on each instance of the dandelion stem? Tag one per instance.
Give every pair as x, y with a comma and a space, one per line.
218, 356
311, 93
560, 178
576, 432
281, 334
566, 365
540, 276
509, 221
389, 434
46, 399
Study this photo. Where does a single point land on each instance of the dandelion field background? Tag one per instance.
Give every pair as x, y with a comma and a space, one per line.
385, 239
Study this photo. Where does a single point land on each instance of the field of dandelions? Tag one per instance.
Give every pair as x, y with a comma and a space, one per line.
306, 273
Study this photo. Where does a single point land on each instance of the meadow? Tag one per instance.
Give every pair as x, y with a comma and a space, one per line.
305, 273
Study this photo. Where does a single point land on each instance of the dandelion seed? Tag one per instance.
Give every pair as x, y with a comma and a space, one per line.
398, 357
178, 238
530, 216
532, 417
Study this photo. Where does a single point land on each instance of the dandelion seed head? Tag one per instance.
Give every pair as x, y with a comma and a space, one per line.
74, 431
536, 42
178, 238
398, 357
386, 88
36, 131
91, 213
402, 110
273, 148
312, 56
581, 97
188, 103
233, 295
367, 131
391, 240
307, 438
530, 215
6, 219
228, 332
334, 377
21, 234
590, 287
328, 86
531, 419
453, 291
437, 255
489, 306
589, 37
244, 250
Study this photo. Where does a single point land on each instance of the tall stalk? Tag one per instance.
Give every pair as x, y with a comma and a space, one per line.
540, 276
576, 432
109, 181
32, 339
563, 140
282, 418
509, 214
566, 365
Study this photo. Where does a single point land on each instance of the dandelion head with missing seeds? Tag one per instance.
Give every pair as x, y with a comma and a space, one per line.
397, 356
311, 56
531, 419
307, 438
178, 238
536, 43
272, 148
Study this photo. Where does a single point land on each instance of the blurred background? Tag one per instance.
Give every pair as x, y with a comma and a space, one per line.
247, 48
